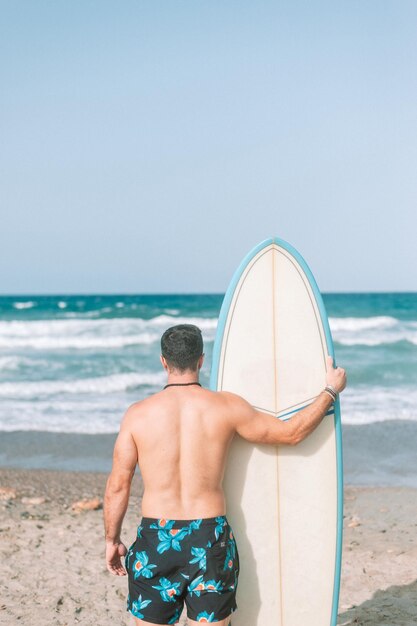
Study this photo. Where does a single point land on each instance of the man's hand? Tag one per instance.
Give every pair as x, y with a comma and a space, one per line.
336, 376
113, 553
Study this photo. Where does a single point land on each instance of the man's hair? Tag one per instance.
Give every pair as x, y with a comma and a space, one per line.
182, 346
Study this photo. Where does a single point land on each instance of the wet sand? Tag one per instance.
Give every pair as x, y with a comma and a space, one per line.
52, 569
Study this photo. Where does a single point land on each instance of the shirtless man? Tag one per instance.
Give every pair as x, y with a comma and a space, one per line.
185, 549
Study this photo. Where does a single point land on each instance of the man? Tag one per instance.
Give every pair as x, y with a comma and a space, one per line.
185, 549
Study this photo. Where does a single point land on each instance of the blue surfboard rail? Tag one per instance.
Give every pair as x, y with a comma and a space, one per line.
330, 347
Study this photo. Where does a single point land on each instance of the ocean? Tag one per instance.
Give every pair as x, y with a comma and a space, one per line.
71, 365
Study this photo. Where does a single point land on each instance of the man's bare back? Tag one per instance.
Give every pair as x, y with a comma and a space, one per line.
182, 435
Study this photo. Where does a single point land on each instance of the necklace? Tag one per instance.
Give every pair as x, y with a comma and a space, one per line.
181, 385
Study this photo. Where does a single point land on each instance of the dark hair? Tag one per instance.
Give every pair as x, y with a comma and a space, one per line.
182, 346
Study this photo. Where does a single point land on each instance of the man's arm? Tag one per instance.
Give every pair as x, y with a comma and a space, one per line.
116, 497
259, 427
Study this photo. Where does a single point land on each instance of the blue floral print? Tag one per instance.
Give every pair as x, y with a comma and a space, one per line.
199, 557
139, 604
196, 586
213, 585
141, 566
163, 523
167, 589
221, 523
195, 525
206, 617
230, 552
171, 539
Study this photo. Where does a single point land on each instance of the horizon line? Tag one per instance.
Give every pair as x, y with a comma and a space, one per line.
180, 293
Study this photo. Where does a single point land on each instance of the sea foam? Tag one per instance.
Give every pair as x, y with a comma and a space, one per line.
87, 334
95, 385
24, 305
369, 404
372, 331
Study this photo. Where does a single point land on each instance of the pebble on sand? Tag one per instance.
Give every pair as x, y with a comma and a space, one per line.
7, 493
34, 500
87, 505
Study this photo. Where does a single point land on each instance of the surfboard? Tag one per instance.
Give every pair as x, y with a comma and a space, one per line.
284, 503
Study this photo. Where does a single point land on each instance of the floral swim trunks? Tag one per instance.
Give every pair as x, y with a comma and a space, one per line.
175, 561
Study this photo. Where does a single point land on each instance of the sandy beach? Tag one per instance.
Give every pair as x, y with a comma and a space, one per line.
52, 559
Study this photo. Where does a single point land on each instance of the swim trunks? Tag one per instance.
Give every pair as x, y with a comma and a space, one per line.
195, 561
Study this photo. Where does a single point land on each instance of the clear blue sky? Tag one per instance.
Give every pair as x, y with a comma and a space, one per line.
147, 146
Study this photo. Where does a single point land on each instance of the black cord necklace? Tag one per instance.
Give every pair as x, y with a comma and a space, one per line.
181, 385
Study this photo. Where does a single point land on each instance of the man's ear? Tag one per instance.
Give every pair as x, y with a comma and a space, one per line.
163, 361
201, 361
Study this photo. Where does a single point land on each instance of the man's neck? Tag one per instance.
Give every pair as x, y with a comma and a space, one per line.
182, 379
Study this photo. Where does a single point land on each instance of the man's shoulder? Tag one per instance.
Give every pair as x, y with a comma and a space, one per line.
136, 409
221, 396
140, 407
227, 394
232, 399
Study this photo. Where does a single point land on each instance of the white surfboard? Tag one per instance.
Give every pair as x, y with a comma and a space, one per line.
283, 502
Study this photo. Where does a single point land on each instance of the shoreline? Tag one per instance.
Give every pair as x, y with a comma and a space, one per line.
380, 454
67, 582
